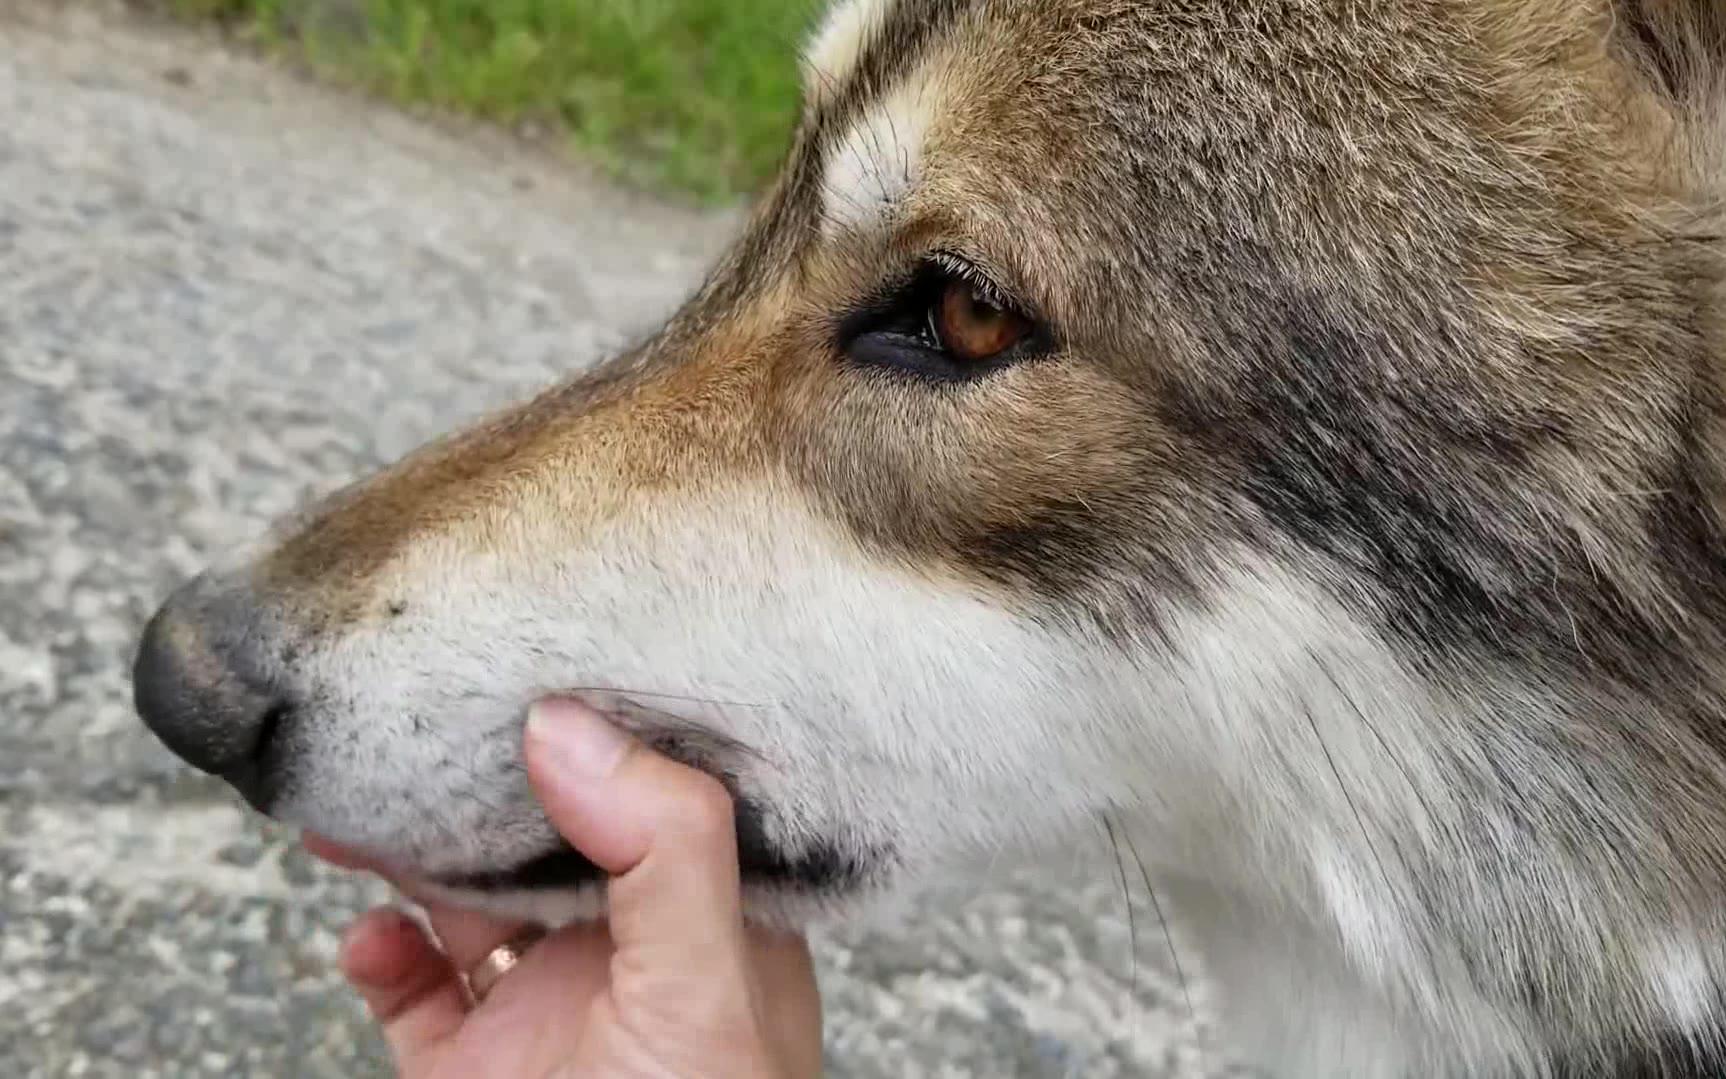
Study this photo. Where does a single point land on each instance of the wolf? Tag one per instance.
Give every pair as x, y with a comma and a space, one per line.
1288, 432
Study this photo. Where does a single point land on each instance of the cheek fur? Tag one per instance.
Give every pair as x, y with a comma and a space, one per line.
859, 697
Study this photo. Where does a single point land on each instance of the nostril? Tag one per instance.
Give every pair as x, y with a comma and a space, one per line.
268, 728
198, 687
255, 774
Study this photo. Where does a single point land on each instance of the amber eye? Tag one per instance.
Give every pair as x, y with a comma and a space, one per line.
946, 322
972, 327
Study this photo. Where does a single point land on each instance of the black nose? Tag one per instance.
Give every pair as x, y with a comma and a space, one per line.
197, 687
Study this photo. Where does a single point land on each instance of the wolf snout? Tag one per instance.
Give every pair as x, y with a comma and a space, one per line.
199, 685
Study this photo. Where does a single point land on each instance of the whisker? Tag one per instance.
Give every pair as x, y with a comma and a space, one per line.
1126, 902
622, 692
1168, 937
1132, 925
1383, 742
1342, 788
674, 726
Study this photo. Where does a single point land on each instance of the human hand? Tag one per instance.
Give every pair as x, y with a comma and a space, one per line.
673, 984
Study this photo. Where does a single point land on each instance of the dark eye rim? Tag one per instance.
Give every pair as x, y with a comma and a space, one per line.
890, 331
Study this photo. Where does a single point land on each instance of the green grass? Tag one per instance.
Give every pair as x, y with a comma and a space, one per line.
688, 96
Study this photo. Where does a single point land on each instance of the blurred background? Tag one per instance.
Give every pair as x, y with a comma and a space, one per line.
251, 249
692, 99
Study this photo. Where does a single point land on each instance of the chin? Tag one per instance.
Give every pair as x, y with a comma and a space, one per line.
560, 885
563, 888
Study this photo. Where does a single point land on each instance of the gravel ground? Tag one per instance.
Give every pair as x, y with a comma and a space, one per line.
222, 291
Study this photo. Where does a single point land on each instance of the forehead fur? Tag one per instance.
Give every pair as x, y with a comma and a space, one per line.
878, 161
1351, 146
834, 49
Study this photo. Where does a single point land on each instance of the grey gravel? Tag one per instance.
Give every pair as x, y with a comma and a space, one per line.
223, 290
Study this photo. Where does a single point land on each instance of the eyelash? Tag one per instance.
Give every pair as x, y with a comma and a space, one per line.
986, 289
894, 331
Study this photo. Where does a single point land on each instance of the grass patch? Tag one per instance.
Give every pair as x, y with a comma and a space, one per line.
689, 96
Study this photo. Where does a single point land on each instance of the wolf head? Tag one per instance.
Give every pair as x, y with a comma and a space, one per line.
1292, 426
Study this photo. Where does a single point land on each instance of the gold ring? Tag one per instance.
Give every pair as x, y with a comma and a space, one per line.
484, 975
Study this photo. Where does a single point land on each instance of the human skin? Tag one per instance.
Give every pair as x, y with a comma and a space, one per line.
673, 983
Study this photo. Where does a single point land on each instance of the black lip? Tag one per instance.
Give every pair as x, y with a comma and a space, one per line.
565, 868
821, 867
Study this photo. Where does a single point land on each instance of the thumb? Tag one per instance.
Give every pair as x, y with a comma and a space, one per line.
663, 831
